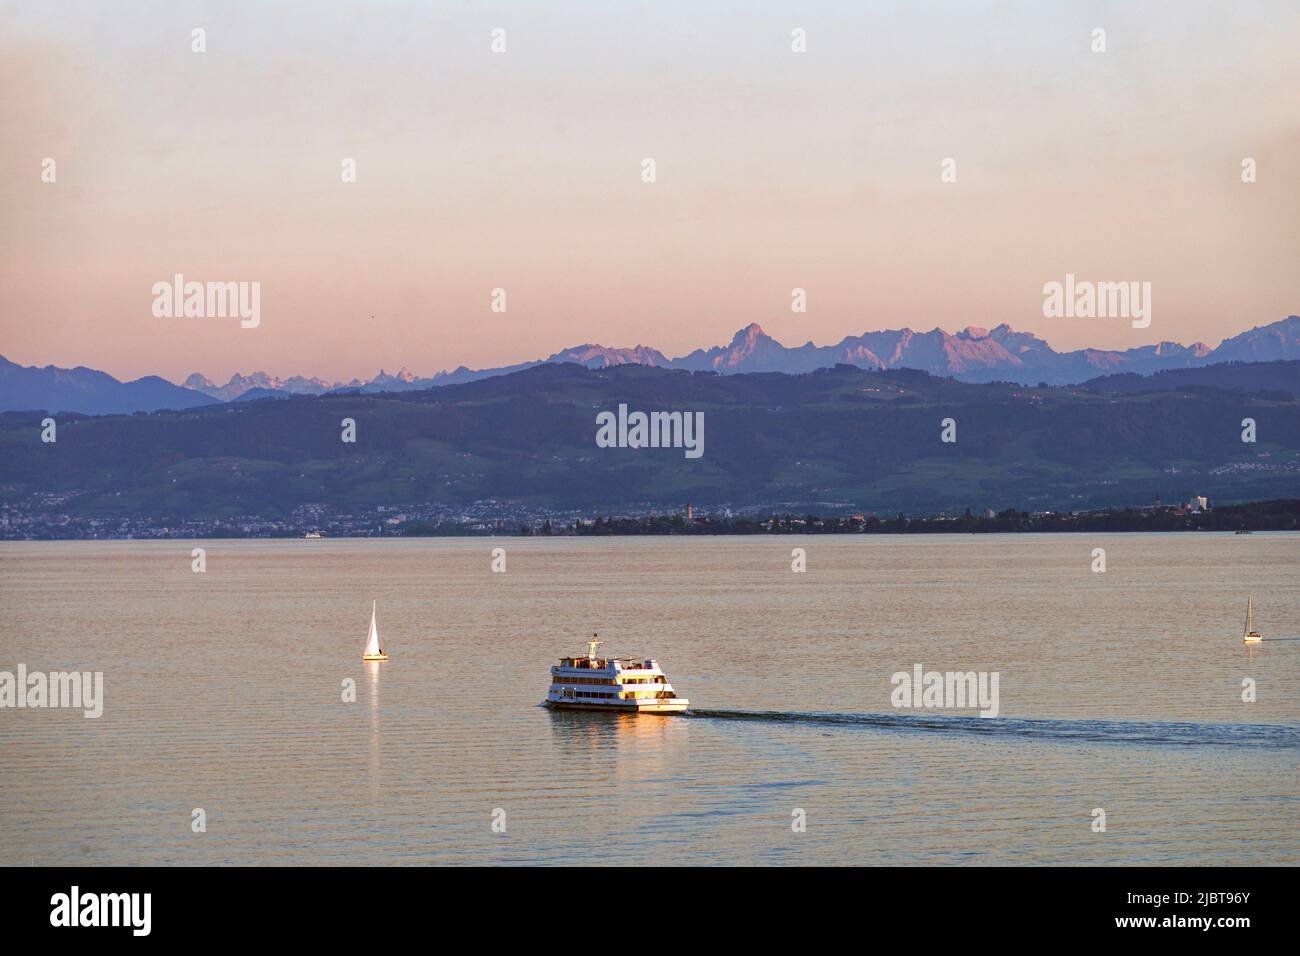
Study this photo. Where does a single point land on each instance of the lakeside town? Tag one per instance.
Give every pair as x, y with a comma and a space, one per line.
42, 518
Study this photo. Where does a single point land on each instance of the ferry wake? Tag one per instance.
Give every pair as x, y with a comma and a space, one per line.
631, 685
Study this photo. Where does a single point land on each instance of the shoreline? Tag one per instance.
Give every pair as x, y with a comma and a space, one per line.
509, 536
1281, 514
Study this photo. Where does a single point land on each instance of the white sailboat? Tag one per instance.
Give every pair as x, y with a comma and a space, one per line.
373, 651
1250, 635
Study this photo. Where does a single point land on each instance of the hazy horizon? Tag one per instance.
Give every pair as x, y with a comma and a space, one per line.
522, 170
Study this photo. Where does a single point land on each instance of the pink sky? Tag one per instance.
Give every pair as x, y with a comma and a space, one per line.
522, 170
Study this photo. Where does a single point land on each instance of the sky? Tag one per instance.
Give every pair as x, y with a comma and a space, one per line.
522, 170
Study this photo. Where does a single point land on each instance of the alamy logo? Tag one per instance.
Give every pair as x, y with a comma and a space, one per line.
651, 430
103, 909
56, 689
208, 300
1098, 300
951, 689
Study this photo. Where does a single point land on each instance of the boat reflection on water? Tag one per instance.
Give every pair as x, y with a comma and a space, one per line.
372, 688
618, 746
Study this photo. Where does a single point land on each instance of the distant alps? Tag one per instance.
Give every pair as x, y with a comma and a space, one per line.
971, 355
974, 355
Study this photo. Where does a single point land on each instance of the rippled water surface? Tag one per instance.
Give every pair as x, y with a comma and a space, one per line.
223, 691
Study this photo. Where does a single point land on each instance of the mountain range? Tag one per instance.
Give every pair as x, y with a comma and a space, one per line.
974, 355
844, 438
971, 355
88, 391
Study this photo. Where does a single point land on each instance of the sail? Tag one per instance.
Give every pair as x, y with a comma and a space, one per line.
372, 642
1250, 599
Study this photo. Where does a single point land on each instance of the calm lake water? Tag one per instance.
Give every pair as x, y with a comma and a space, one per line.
223, 691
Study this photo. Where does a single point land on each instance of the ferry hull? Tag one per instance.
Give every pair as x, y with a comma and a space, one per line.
667, 707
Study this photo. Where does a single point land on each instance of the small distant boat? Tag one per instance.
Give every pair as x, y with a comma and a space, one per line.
373, 652
1250, 635
1242, 531
630, 685
312, 534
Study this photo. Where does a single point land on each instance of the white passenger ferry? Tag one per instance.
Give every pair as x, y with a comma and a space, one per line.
628, 684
